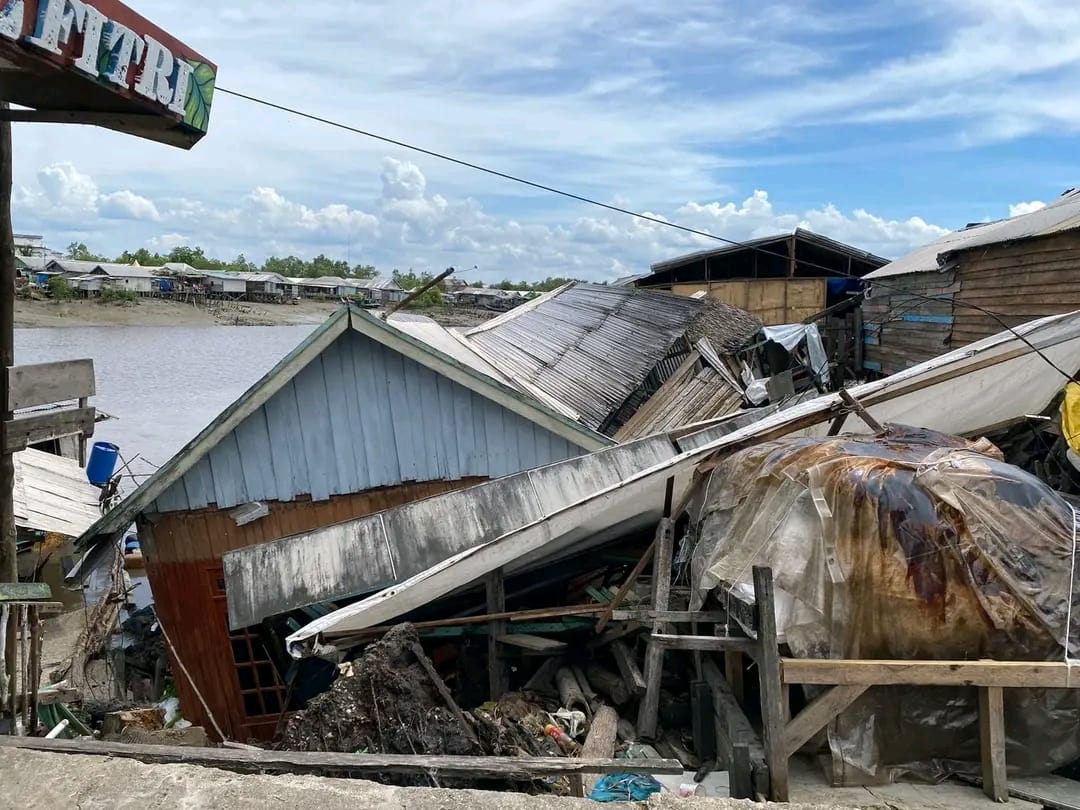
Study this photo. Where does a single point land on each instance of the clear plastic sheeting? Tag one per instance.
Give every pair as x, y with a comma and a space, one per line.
790, 335
910, 545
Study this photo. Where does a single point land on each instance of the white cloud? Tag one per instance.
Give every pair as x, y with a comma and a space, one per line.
63, 192
1020, 208
409, 224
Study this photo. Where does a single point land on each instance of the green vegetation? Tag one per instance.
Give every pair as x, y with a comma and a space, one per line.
80, 252
410, 281
115, 295
60, 289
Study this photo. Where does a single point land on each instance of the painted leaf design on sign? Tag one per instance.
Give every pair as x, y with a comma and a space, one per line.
200, 95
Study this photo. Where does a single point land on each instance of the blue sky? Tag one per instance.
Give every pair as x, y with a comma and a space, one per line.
879, 124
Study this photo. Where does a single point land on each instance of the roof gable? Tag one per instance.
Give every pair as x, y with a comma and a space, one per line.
208, 465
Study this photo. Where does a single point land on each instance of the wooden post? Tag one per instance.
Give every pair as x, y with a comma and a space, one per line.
9, 568
599, 744
654, 655
498, 678
992, 742
83, 403
733, 673
772, 698
860, 340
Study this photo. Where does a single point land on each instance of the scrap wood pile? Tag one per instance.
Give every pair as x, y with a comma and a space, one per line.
392, 700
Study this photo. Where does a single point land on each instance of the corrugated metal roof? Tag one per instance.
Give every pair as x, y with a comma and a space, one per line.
695, 393
261, 277
800, 233
587, 346
378, 283
336, 281
128, 270
53, 495
1061, 215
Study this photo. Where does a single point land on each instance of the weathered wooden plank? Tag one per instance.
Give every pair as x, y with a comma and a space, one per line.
654, 654
992, 742
498, 676
685, 616
834, 671
256, 760
24, 591
704, 643
534, 644
769, 676
45, 383
733, 730
1057, 792
599, 744
628, 667
27, 430
819, 713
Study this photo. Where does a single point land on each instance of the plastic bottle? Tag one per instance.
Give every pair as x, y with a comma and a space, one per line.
561, 738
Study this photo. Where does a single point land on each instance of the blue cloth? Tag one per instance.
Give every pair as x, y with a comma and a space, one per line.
624, 787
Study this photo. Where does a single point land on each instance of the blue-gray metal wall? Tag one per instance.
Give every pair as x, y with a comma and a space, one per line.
361, 416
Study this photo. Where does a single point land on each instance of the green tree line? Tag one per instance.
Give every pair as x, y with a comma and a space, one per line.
289, 266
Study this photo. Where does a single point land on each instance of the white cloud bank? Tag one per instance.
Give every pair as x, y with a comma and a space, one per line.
407, 224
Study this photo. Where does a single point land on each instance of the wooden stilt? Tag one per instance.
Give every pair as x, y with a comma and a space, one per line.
772, 699
654, 655
498, 677
733, 673
992, 742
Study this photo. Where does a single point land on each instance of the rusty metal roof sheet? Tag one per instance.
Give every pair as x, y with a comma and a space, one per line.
588, 346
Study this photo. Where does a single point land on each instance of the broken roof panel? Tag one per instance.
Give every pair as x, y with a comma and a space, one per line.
697, 392
586, 345
986, 384
53, 495
1061, 215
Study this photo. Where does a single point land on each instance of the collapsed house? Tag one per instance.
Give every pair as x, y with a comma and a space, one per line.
556, 541
360, 417
972, 283
598, 352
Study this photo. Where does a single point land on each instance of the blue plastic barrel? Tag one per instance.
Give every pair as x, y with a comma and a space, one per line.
102, 463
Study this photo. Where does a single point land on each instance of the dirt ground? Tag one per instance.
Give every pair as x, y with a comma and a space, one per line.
32, 779
155, 312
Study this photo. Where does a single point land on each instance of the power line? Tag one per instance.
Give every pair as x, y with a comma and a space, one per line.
628, 212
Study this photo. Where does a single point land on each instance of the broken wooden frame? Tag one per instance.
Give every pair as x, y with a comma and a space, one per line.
849, 678
22, 606
40, 384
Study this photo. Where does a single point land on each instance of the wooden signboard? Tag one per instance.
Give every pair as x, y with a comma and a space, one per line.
98, 62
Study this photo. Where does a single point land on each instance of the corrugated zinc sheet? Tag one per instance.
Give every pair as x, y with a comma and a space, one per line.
695, 393
588, 346
360, 416
53, 495
1061, 215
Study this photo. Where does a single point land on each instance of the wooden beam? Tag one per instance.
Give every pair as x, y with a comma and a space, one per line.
444, 693
533, 644
628, 667
703, 643
733, 729
24, 591
1051, 674
498, 677
648, 712
123, 121
992, 742
772, 697
22, 432
632, 577
733, 672
857, 408
677, 616
819, 713
46, 383
257, 760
